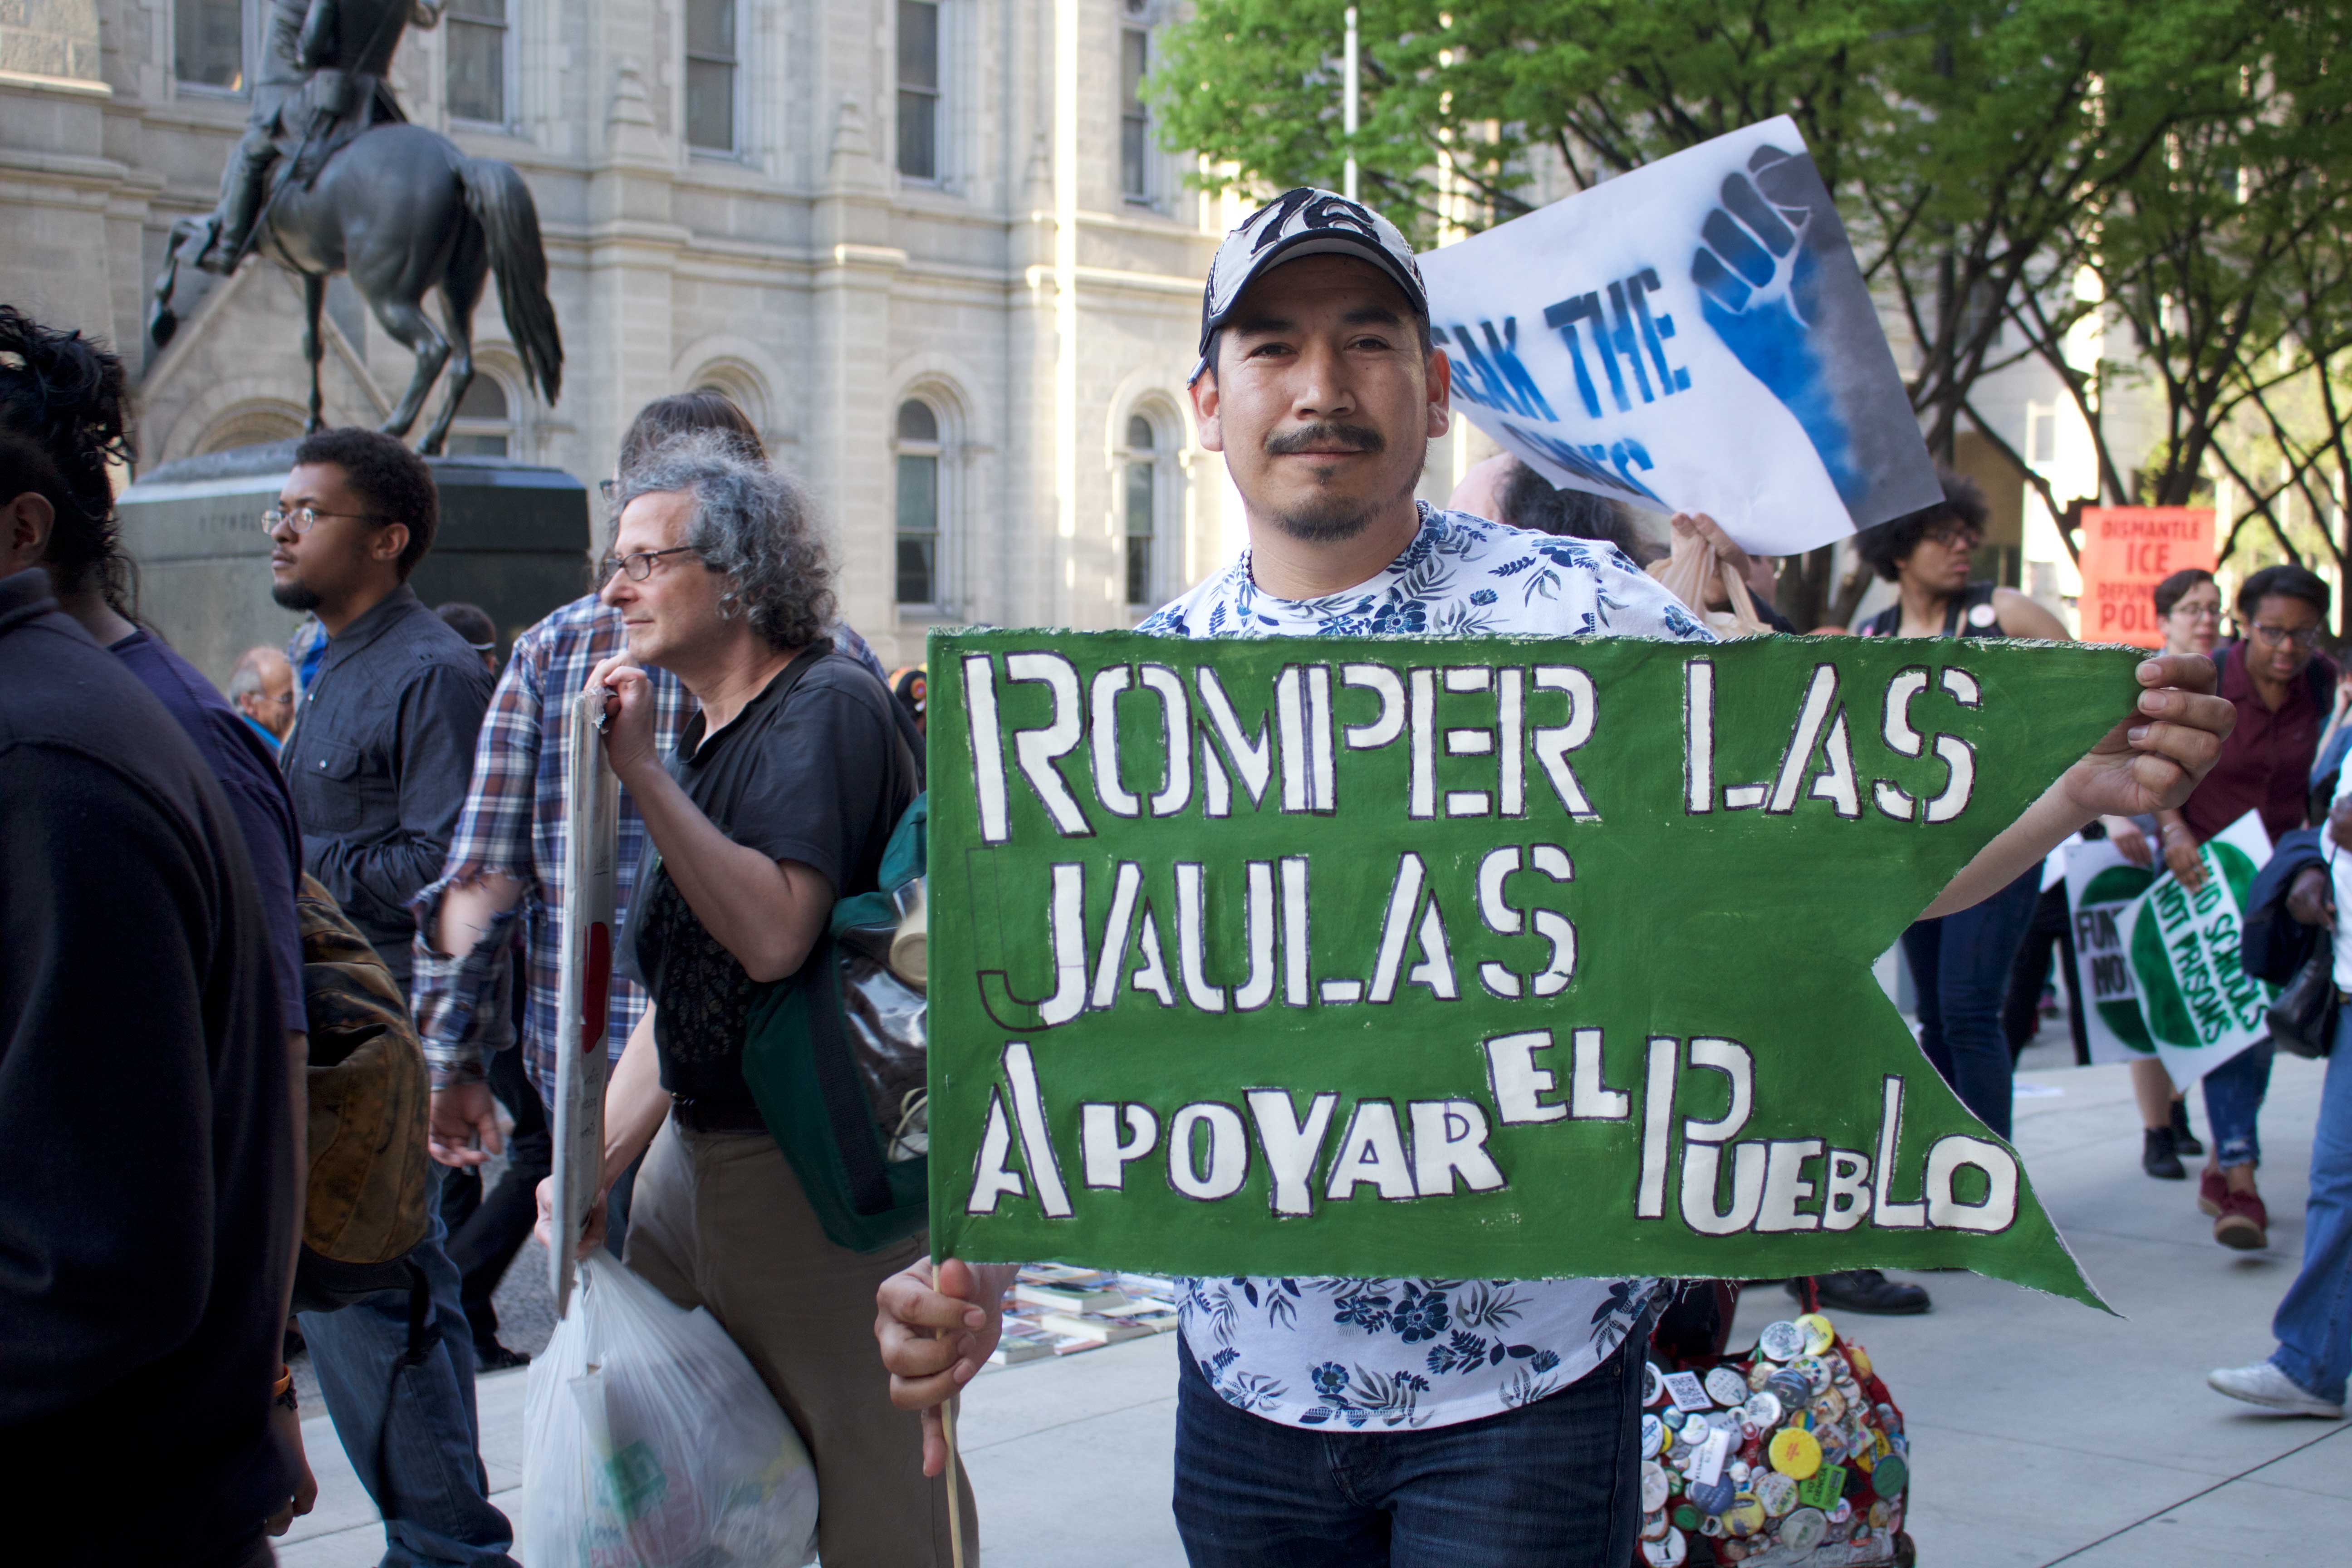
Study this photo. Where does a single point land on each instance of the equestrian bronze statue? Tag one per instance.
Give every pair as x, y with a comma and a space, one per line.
331, 177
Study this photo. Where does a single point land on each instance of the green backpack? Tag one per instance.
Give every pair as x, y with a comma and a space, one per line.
835, 1059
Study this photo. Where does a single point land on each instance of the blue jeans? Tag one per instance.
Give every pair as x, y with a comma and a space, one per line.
1556, 1484
2314, 1325
409, 1430
1960, 965
2233, 1099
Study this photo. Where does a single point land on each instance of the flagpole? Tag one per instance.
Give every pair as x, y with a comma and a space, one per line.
1349, 113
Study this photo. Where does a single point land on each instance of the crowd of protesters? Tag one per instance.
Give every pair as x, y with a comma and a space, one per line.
389, 775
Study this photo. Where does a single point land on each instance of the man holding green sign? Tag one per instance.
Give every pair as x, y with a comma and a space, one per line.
1425, 999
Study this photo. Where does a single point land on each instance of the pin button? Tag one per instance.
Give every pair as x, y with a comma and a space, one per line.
1795, 1454
1802, 1531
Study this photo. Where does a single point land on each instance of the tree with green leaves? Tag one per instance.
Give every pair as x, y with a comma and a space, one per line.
2219, 272
1971, 144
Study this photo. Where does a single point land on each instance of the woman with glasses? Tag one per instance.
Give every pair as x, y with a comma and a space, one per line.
1928, 556
2283, 687
2188, 613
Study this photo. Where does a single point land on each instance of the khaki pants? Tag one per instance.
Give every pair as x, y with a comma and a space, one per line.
718, 1221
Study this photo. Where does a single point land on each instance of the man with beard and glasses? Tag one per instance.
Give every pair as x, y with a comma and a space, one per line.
384, 736
377, 764
1315, 1423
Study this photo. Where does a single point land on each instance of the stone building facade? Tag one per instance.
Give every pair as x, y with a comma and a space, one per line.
929, 244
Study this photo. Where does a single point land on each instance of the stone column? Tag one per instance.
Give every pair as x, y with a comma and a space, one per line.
633, 240
849, 412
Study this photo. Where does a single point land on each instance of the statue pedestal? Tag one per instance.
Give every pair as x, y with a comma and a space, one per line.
516, 539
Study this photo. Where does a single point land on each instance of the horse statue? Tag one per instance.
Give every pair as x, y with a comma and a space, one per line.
397, 207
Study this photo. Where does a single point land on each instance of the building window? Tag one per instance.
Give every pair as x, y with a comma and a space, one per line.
208, 42
478, 60
1134, 119
1140, 499
483, 427
918, 89
918, 503
2040, 435
711, 75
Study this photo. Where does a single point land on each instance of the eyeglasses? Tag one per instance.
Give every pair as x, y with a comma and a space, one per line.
1955, 536
303, 518
2301, 637
2197, 612
608, 489
638, 565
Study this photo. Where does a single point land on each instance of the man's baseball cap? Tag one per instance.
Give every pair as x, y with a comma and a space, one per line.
1302, 222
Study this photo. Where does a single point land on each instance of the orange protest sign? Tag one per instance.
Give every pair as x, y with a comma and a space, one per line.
2126, 551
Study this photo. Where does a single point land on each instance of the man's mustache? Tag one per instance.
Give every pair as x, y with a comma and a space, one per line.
1352, 438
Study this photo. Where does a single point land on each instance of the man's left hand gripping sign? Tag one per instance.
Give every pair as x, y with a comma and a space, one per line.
1491, 958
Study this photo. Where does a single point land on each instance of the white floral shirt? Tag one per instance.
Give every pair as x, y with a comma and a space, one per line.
1374, 1354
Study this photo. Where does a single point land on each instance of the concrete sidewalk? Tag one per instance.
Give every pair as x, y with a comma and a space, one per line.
2041, 1432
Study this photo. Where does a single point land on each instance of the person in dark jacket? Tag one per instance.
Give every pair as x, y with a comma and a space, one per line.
2282, 687
147, 1157
383, 740
377, 764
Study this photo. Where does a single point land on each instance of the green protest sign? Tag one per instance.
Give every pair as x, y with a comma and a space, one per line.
2196, 1006
1501, 957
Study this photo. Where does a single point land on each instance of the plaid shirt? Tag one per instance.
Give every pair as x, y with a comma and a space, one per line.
514, 823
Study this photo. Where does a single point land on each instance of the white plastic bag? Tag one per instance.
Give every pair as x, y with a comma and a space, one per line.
653, 1443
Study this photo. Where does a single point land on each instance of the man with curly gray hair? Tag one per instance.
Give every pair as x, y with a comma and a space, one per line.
780, 796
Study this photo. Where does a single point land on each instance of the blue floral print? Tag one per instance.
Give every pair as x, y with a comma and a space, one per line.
1401, 1353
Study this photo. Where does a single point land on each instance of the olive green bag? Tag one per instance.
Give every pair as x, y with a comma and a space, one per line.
835, 1057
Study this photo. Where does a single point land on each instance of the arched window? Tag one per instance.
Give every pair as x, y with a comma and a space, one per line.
483, 427
739, 384
918, 463
1140, 500
1148, 502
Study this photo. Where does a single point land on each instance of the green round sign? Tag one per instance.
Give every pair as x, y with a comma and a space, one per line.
2167, 1011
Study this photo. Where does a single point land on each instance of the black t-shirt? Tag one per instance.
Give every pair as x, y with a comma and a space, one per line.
816, 775
146, 1142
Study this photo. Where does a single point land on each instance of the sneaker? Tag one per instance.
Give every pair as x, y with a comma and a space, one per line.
1866, 1290
2211, 1188
2183, 1140
2158, 1156
2264, 1384
2243, 1223
495, 1357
